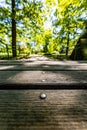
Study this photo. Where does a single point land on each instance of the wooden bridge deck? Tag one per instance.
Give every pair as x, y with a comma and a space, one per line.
61, 110
22, 82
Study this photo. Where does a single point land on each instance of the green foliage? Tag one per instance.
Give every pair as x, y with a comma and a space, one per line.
64, 18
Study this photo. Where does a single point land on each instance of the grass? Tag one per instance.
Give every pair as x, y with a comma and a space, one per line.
4, 56
59, 56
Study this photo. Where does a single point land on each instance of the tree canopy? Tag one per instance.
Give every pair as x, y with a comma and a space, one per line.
42, 25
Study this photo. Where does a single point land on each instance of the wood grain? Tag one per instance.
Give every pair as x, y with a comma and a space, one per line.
61, 110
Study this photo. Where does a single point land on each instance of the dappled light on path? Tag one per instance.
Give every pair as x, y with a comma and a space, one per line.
43, 71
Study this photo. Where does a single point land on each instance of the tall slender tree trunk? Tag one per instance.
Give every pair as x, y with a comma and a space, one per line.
68, 32
67, 47
45, 49
13, 29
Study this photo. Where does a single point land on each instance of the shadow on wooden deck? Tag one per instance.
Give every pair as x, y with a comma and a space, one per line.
61, 110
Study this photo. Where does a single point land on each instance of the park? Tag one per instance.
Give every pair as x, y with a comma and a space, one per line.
43, 65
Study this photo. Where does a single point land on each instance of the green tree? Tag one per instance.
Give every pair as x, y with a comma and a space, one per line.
47, 37
25, 21
13, 29
68, 14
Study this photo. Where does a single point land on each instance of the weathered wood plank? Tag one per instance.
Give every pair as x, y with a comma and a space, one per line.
61, 110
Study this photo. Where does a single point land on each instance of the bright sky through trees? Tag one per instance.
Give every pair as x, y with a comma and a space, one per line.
48, 24
2, 3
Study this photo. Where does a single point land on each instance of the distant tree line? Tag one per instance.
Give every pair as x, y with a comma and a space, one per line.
42, 26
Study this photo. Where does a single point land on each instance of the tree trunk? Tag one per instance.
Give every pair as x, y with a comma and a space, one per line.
67, 48
13, 29
7, 50
45, 49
